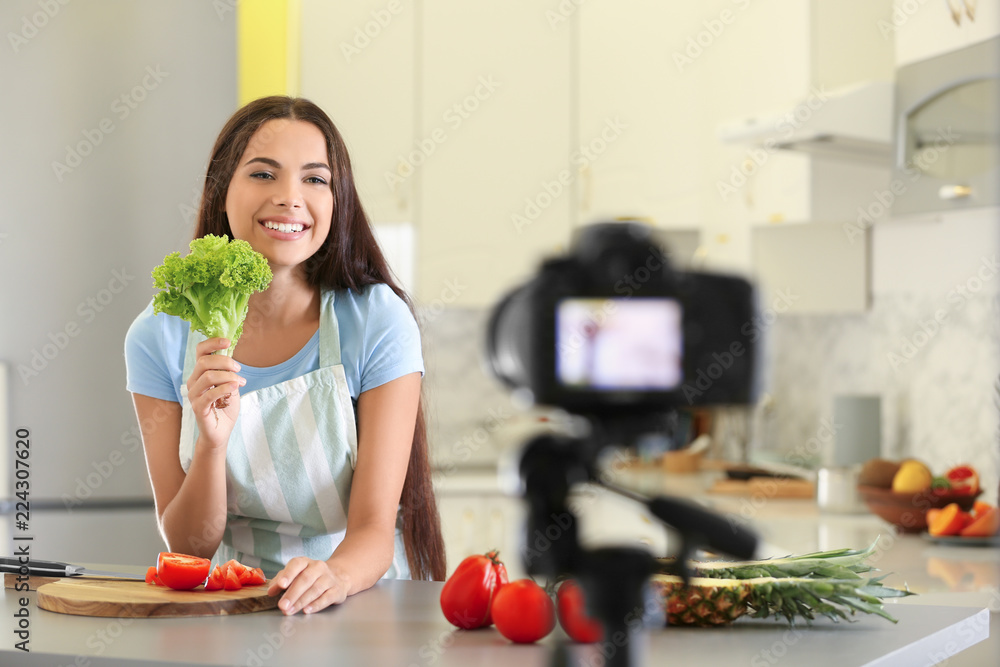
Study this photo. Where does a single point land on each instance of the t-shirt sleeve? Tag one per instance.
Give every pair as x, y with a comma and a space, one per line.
147, 369
391, 343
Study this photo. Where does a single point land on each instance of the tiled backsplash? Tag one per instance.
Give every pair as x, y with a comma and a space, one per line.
937, 381
466, 407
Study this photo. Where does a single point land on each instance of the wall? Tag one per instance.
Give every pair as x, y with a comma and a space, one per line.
110, 111
929, 346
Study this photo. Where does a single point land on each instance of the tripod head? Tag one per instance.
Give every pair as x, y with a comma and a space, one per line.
612, 577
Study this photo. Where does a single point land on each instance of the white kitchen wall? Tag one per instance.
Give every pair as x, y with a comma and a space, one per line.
929, 346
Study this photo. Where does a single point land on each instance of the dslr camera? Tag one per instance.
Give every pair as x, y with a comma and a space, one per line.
611, 331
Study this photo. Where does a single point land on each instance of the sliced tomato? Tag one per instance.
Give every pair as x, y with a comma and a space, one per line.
152, 578
235, 565
180, 571
215, 580
252, 577
231, 581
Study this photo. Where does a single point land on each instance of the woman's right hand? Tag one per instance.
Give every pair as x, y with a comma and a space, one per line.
214, 376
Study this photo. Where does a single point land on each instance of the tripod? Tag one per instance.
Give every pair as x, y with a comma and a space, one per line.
612, 577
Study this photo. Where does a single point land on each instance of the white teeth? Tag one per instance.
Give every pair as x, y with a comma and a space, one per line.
284, 227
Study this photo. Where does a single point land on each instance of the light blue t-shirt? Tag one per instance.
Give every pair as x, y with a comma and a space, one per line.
379, 342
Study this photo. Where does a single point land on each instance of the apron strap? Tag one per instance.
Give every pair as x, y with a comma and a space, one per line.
329, 331
190, 353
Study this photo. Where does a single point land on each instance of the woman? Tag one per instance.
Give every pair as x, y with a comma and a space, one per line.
317, 471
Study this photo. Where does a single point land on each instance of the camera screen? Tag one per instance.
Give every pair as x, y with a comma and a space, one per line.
619, 343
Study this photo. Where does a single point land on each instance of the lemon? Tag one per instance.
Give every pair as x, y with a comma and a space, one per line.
912, 477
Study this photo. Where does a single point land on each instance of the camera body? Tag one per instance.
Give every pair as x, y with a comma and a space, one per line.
611, 330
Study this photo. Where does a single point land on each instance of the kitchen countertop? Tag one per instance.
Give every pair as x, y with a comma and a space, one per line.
399, 623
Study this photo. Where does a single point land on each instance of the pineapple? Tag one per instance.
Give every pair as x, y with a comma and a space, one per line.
827, 583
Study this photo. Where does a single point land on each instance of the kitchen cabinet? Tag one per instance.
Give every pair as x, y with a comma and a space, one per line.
839, 49
494, 109
457, 118
923, 30
651, 166
477, 518
357, 63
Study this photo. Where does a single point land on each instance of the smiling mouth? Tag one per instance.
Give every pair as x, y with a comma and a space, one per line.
284, 227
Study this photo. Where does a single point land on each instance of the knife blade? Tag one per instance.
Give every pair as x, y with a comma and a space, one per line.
49, 568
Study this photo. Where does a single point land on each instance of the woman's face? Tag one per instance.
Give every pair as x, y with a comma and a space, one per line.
280, 199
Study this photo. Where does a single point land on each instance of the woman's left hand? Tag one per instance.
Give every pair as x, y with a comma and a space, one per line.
310, 585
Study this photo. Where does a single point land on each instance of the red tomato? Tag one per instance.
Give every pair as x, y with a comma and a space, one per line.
231, 580
469, 591
963, 479
573, 614
523, 612
151, 577
236, 566
252, 577
215, 580
180, 571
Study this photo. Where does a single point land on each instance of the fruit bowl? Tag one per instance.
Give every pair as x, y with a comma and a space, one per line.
908, 511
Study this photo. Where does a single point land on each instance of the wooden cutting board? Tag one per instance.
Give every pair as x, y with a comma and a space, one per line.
765, 487
137, 599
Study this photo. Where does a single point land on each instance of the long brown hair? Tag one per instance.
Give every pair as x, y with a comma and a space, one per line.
350, 258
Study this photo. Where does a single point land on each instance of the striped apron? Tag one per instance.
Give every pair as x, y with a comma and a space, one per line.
289, 463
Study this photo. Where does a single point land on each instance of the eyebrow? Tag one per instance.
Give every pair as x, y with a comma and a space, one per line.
276, 165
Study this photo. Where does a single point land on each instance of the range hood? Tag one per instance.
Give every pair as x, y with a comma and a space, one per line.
849, 123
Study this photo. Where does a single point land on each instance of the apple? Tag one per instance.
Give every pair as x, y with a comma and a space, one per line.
963, 479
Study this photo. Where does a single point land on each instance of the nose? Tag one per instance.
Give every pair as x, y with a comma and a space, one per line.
287, 193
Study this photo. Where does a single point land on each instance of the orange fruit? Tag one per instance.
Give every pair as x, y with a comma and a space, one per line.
949, 522
983, 526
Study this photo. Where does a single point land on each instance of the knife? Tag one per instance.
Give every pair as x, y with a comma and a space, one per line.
48, 568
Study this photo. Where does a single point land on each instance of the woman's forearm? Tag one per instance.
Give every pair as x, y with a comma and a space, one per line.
363, 557
194, 521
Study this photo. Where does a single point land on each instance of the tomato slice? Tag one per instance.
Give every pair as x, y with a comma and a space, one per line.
152, 578
215, 580
180, 571
255, 577
235, 565
231, 581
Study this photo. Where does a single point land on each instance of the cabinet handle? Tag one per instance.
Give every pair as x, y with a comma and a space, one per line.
954, 191
956, 11
970, 9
